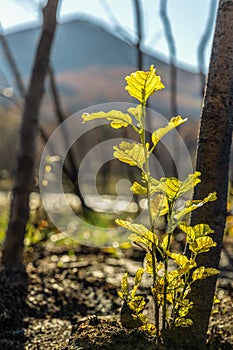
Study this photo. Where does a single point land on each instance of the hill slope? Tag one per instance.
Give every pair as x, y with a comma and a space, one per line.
90, 65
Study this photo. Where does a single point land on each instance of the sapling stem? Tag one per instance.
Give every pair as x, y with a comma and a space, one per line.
148, 187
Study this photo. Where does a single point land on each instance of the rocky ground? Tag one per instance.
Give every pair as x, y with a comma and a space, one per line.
67, 299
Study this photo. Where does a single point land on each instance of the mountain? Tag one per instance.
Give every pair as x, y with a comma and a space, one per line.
90, 64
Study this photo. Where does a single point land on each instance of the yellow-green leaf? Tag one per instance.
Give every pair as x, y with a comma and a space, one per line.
183, 322
123, 293
141, 85
149, 264
144, 235
188, 230
202, 244
136, 112
159, 206
193, 205
161, 132
191, 181
182, 260
137, 188
130, 153
174, 188
164, 243
204, 272
138, 303
169, 186
202, 230
137, 281
117, 118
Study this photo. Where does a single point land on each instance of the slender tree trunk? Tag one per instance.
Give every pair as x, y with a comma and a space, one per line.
13, 247
139, 26
213, 156
172, 52
203, 43
12, 63
72, 171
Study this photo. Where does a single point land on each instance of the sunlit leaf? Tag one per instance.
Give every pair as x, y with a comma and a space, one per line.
158, 289
124, 287
204, 272
137, 188
202, 244
193, 205
143, 234
202, 230
130, 153
138, 303
159, 206
187, 185
183, 322
173, 188
169, 186
136, 112
164, 243
149, 264
117, 118
161, 132
182, 260
141, 85
137, 280
188, 230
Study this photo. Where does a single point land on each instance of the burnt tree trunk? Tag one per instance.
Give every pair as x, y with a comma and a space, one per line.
24, 175
213, 155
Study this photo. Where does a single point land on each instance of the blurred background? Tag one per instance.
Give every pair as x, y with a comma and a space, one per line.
98, 43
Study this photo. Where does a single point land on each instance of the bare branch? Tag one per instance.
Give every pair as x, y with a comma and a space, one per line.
139, 27
172, 51
203, 43
12, 63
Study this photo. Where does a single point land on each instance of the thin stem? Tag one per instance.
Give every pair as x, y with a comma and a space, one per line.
166, 267
148, 186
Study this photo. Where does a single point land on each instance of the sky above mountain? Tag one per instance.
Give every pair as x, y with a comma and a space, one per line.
188, 21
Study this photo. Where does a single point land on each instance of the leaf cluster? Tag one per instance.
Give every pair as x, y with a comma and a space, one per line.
170, 287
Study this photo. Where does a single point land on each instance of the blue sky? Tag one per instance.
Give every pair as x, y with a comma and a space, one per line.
188, 20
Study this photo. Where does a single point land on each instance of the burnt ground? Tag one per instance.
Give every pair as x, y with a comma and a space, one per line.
67, 299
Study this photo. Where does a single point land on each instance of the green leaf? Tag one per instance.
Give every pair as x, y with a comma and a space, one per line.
161, 132
202, 244
204, 272
182, 260
137, 304
149, 264
117, 118
136, 188
188, 230
141, 85
159, 206
123, 294
201, 230
137, 281
173, 188
183, 322
191, 181
196, 231
130, 153
164, 243
136, 112
143, 234
193, 205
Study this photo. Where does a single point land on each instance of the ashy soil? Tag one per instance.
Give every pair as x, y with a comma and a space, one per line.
67, 299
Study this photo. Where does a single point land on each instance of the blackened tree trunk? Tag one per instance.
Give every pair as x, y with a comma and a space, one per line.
24, 175
213, 156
